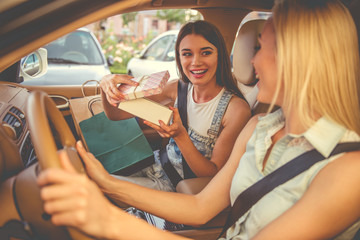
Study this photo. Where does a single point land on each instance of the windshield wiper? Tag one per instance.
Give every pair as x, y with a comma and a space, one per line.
61, 60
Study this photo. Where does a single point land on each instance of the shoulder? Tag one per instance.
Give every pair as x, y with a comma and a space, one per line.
336, 186
251, 125
339, 179
346, 166
238, 106
237, 113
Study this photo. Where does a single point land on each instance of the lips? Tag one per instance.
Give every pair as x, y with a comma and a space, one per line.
198, 72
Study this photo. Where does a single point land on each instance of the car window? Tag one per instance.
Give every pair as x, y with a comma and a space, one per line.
72, 60
157, 50
76, 47
170, 55
30, 64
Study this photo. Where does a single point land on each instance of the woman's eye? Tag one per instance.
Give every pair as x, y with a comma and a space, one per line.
207, 53
186, 54
257, 48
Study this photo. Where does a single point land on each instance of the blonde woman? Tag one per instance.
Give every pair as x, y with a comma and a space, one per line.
308, 65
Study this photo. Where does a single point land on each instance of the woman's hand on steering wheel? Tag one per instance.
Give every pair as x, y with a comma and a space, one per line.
94, 169
72, 199
109, 85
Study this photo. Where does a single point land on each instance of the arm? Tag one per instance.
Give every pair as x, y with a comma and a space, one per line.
329, 206
175, 207
73, 200
111, 96
235, 118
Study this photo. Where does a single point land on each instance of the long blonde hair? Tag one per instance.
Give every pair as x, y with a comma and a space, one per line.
318, 60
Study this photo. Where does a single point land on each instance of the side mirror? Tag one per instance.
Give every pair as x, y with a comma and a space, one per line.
137, 54
170, 56
34, 65
110, 60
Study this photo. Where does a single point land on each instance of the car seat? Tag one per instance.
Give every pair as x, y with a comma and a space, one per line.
73, 42
244, 50
74, 49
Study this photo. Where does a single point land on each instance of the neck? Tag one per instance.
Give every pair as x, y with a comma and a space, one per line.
203, 94
292, 124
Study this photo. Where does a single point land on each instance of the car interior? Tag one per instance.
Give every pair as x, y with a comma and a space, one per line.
36, 121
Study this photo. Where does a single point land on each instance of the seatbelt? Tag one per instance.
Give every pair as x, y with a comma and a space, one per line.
255, 192
182, 106
357, 235
169, 169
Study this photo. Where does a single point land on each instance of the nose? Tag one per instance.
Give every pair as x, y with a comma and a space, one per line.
253, 59
196, 59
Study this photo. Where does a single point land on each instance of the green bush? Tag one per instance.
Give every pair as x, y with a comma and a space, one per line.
122, 49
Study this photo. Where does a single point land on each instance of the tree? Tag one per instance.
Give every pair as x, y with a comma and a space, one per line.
172, 15
128, 17
178, 15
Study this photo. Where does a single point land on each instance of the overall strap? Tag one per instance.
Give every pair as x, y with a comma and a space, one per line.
169, 169
182, 102
214, 129
255, 192
182, 106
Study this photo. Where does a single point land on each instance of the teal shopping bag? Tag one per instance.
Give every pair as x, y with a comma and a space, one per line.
120, 146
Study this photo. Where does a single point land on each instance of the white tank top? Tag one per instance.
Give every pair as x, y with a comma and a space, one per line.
200, 115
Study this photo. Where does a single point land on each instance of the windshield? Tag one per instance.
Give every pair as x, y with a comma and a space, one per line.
77, 47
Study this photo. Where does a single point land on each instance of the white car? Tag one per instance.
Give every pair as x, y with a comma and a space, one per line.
158, 56
72, 60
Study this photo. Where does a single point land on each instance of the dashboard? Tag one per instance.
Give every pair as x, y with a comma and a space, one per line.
16, 149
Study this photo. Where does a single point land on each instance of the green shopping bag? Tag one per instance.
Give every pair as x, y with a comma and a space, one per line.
120, 146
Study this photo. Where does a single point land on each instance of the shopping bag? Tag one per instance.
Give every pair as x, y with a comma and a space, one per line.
120, 146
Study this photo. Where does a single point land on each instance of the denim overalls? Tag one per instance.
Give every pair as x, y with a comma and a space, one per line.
155, 177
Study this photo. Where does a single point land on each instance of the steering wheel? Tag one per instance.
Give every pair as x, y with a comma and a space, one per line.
75, 56
40, 111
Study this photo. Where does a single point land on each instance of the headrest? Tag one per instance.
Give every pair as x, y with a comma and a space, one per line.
73, 41
244, 50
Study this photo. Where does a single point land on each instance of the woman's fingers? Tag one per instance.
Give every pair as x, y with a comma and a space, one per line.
163, 133
57, 191
65, 162
93, 167
76, 218
176, 115
82, 151
53, 175
67, 202
152, 125
109, 85
87, 157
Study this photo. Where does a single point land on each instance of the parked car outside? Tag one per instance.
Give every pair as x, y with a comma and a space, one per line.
72, 60
159, 55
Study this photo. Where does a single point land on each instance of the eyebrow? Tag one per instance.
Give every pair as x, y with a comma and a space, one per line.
204, 48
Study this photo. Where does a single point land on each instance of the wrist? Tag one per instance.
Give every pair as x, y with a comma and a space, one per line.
181, 136
105, 183
111, 227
